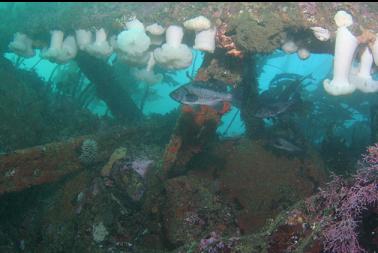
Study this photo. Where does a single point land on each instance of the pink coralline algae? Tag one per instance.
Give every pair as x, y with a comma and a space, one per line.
206, 242
214, 244
342, 205
372, 156
342, 237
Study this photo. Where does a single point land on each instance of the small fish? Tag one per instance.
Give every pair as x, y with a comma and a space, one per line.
201, 93
272, 110
268, 108
283, 144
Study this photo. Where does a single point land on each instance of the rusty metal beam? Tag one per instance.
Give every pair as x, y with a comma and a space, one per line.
47, 163
37, 165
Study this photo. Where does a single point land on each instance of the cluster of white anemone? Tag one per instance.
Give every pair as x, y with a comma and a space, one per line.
22, 45
345, 78
291, 47
60, 51
135, 45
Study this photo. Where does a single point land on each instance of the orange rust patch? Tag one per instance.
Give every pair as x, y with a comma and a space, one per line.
38, 165
226, 42
205, 114
235, 53
171, 152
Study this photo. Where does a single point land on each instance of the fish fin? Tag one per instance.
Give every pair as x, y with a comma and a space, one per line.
218, 85
200, 84
212, 84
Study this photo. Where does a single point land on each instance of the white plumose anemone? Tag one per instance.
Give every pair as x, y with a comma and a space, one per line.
113, 42
149, 77
346, 44
151, 62
321, 33
197, 24
289, 47
83, 38
60, 51
361, 77
205, 40
138, 59
303, 53
343, 19
156, 33
174, 35
133, 42
69, 49
205, 35
366, 62
174, 57
22, 45
101, 47
56, 43
134, 24
374, 50
173, 54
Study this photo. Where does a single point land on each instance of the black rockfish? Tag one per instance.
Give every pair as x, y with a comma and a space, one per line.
211, 93
283, 96
284, 144
273, 109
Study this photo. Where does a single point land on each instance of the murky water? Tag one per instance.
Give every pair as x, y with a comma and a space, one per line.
188, 127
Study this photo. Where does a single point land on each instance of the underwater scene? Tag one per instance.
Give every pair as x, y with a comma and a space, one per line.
189, 127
